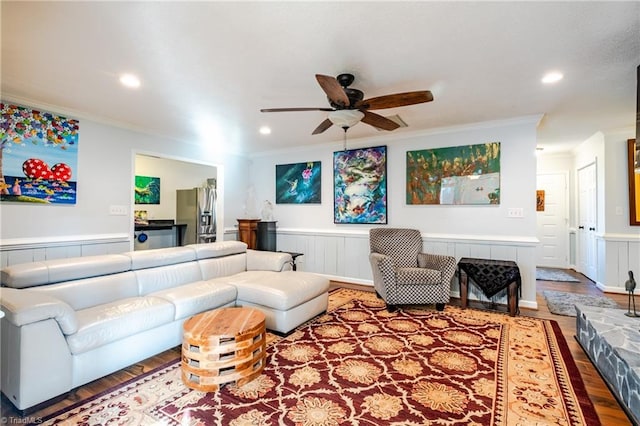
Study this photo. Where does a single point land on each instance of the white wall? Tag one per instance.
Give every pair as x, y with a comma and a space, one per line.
106, 170
617, 184
517, 180
618, 243
341, 250
105, 177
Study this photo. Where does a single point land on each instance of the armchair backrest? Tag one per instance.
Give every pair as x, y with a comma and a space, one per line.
402, 245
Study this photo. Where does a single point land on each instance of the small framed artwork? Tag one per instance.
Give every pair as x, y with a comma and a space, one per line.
140, 217
147, 190
540, 200
299, 183
360, 185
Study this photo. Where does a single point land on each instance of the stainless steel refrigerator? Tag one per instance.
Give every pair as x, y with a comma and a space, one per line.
196, 208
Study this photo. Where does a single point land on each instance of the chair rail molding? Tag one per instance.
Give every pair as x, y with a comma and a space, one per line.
23, 250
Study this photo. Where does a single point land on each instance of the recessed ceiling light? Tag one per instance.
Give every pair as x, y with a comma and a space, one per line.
264, 130
130, 80
552, 77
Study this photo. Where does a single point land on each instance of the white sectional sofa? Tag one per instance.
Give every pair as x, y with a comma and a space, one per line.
70, 321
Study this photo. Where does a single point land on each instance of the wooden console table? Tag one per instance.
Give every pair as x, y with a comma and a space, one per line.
221, 346
491, 276
248, 232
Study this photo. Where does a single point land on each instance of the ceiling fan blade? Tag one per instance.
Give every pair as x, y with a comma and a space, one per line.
379, 121
332, 88
396, 100
294, 109
322, 127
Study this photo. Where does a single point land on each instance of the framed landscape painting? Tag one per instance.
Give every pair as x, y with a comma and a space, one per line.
360, 185
299, 183
468, 174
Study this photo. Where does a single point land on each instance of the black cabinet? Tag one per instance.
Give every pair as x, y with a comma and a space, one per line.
266, 236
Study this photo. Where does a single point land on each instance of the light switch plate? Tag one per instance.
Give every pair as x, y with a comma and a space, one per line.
515, 212
115, 210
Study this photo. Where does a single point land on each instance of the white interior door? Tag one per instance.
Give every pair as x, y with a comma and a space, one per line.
587, 221
552, 221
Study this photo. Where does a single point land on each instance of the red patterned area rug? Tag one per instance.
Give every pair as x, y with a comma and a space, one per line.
361, 365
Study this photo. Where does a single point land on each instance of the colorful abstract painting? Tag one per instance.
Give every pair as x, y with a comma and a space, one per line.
468, 174
147, 190
360, 185
38, 156
299, 183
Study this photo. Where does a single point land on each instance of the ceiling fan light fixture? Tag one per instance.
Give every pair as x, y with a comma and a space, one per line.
346, 118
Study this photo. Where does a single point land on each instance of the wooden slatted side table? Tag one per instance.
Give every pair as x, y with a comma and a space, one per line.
222, 346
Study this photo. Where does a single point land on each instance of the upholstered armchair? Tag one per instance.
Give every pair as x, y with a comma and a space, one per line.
403, 274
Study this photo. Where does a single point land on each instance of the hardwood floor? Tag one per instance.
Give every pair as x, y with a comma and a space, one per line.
607, 408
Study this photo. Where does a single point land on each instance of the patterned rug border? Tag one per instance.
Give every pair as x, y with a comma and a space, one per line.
565, 360
573, 371
122, 386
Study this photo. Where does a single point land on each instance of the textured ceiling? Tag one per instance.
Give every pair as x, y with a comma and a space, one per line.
208, 67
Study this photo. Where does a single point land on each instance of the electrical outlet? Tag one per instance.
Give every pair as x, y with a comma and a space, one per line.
117, 210
515, 212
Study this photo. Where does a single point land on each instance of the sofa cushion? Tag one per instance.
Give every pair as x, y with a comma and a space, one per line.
274, 289
82, 294
103, 324
191, 299
53, 271
143, 259
223, 266
163, 277
218, 249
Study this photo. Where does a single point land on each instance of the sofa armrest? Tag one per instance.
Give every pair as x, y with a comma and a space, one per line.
258, 260
23, 307
445, 264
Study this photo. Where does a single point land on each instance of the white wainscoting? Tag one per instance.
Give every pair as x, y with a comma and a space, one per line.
25, 250
617, 255
344, 256
340, 255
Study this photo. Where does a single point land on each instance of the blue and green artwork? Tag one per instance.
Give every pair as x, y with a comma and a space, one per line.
298, 183
147, 190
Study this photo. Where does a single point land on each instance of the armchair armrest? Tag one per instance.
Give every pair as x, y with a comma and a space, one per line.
444, 263
384, 269
24, 307
258, 260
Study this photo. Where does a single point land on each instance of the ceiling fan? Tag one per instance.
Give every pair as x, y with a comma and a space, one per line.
348, 106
